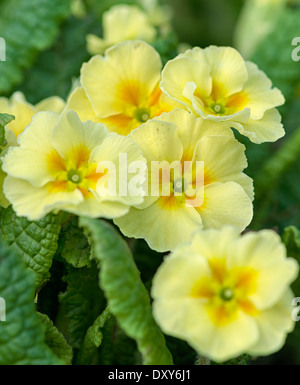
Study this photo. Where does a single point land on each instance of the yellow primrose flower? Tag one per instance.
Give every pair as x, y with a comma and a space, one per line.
211, 198
56, 167
226, 294
217, 84
122, 22
121, 89
24, 111
159, 15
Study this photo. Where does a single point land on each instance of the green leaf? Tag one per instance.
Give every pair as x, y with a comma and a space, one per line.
56, 341
75, 247
28, 27
55, 69
35, 242
4, 120
22, 335
117, 348
128, 300
92, 340
82, 302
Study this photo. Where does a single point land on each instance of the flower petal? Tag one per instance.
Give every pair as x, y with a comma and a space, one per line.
192, 129
53, 103
225, 204
260, 94
124, 155
273, 325
227, 66
159, 141
70, 134
163, 229
267, 129
79, 102
127, 75
181, 71
265, 253
35, 144
36, 202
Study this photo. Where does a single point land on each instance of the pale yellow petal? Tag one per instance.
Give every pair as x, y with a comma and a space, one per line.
182, 71
96, 45
124, 155
158, 141
228, 68
127, 22
29, 161
23, 112
219, 343
224, 157
35, 202
167, 283
163, 229
53, 103
79, 102
93, 208
267, 129
273, 325
191, 129
212, 243
71, 134
226, 204
262, 96
123, 78
265, 253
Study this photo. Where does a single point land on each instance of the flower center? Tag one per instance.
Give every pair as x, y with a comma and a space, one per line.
226, 291
218, 108
178, 185
142, 114
75, 176
226, 294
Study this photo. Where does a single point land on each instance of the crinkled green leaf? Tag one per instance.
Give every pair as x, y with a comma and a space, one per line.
82, 302
55, 69
56, 341
35, 242
22, 335
28, 27
75, 247
4, 120
127, 297
93, 340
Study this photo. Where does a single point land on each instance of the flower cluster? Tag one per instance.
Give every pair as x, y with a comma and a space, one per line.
153, 149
